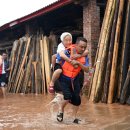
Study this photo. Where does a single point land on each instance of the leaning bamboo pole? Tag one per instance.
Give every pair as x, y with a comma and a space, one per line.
42, 64
108, 12
38, 69
109, 63
34, 63
115, 53
20, 80
46, 61
16, 66
12, 57
103, 61
125, 35
125, 88
32, 68
12, 62
27, 74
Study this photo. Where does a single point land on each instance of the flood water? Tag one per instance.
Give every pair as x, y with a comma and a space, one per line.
31, 112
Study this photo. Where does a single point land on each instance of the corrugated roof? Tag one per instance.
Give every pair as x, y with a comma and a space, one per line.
46, 9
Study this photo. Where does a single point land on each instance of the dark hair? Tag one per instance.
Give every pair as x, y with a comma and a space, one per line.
81, 39
1, 52
4, 52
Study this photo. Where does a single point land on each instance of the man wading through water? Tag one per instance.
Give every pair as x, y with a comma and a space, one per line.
69, 79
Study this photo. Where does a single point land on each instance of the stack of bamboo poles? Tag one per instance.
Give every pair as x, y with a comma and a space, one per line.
111, 61
30, 65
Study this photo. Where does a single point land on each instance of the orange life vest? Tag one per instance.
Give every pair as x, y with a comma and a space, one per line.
68, 69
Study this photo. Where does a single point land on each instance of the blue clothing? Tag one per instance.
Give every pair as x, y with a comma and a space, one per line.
86, 61
68, 55
71, 93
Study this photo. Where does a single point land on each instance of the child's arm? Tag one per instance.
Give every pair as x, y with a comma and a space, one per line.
63, 56
76, 56
53, 61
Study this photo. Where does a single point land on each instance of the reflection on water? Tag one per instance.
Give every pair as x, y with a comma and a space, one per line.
31, 112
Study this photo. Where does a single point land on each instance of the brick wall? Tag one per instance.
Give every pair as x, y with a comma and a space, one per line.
91, 27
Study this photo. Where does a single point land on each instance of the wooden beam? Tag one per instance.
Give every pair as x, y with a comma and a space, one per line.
5, 48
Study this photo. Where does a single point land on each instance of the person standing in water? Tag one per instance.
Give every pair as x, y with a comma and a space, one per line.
69, 79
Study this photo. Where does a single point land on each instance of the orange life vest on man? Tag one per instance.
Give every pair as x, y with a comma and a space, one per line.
68, 69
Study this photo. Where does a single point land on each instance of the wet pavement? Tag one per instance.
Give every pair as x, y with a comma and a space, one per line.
31, 112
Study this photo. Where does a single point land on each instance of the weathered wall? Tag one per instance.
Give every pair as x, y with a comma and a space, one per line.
91, 26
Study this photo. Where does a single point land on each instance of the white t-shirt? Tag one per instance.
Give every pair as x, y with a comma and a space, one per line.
3, 68
60, 47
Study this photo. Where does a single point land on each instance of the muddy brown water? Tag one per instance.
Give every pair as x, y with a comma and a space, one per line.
30, 112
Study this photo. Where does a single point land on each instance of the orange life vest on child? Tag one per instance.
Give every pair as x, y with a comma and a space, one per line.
68, 69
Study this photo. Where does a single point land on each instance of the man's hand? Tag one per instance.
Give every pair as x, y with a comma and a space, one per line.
75, 63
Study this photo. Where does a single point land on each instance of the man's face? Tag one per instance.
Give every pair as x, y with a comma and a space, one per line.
4, 55
81, 47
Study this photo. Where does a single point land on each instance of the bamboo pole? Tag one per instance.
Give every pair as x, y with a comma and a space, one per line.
20, 80
109, 63
27, 74
12, 63
108, 12
32, 80
42, 64
46, 61
16, 66
125, 88
35, 73
100, 78
38, 69
125, 35
115, 53
32, 68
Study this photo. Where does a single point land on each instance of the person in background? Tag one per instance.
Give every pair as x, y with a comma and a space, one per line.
4, 72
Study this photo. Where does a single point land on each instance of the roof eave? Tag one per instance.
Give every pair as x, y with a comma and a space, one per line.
40, 12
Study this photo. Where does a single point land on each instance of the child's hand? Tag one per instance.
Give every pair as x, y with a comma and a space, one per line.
75, 56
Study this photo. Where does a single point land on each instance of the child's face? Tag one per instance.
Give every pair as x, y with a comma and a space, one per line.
67, 41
